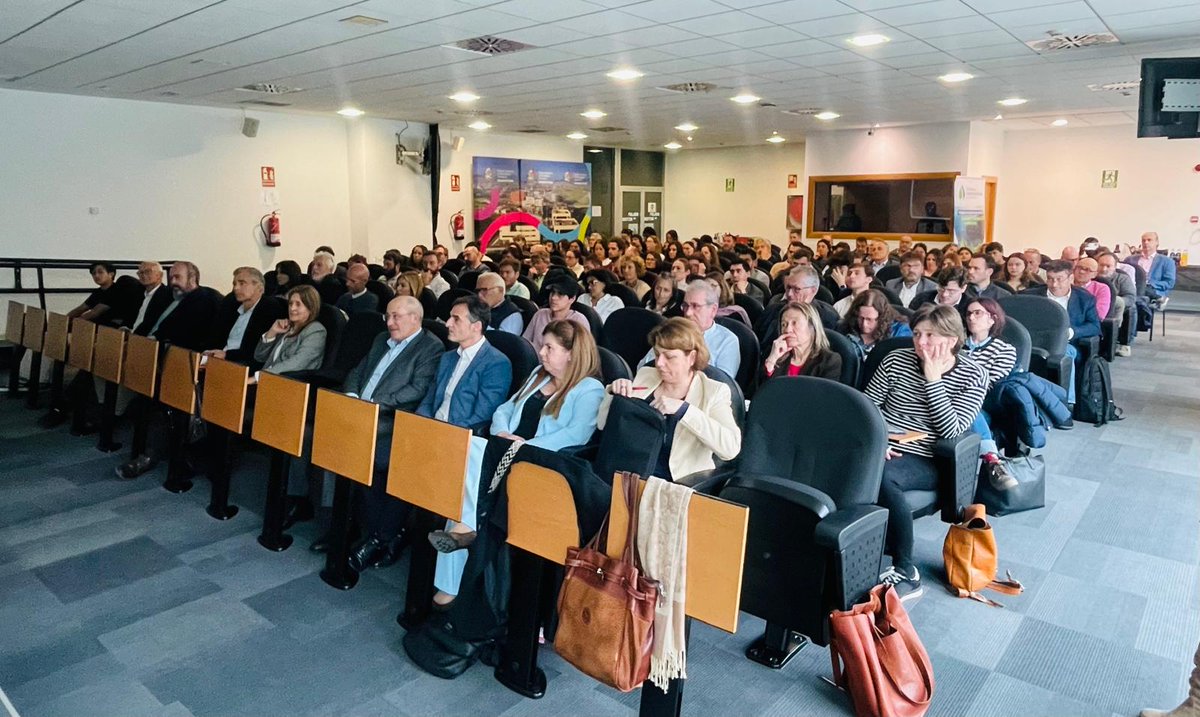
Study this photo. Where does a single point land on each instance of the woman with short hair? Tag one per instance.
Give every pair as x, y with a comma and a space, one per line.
802, 348
631, 268
932, 391
698, 410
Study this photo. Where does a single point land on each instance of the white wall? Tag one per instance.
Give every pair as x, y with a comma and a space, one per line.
985, 150
695, 201
1049, 193
919, 148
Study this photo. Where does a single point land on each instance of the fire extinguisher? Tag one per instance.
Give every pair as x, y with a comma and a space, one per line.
270, 228
458, 226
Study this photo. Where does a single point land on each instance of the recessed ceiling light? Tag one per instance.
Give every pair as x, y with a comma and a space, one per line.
1013, 101
869, 40
350, 112
593, 150
686, 127
672, 145
593, 114
775, 139
827, 115
480, 125
464, 96
745, 99
625, 73
577, 135
1060, 122
952, 77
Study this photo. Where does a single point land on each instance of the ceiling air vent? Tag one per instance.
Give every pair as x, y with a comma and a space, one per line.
1125, 88
490, 45
265, 103
269, 88
803, 111
532, 130
607, 129
1057, 41
686, 88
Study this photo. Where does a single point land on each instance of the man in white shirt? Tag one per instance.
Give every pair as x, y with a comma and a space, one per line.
155, 300
434, 281
911, 282
510, 271
858, 279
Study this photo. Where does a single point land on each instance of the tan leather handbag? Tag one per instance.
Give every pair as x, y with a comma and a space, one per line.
970, 556
887, 671
606, 608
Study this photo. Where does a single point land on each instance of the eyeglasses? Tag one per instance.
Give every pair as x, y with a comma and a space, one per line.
694, 306
978, 312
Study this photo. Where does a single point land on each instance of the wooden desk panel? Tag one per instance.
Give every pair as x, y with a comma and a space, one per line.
177, 386
344, 433
224, 402
33, 335
16, 320
280, 412
57, 328
716, 553
109, 353
141, 365
541, 512
428, 463
83, 342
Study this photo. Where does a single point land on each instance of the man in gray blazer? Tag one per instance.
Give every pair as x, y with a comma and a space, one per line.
912, 282
396, 374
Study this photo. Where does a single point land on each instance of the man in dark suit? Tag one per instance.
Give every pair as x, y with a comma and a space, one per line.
244, 316
396, 373
156, 296
952, 291
980, 270
800, 286
1080, 307
912, 281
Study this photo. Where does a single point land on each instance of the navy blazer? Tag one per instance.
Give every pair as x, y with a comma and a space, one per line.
1081, 308
480, 391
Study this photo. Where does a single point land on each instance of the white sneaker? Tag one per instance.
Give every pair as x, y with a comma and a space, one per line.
1124, 350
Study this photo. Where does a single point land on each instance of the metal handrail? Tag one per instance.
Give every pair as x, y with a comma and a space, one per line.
17, 264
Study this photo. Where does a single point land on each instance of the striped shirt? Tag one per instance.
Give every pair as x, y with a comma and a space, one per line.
996, 356
941, 409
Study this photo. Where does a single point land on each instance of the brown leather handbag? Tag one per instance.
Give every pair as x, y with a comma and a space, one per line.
606, 608
971, 558
886, 671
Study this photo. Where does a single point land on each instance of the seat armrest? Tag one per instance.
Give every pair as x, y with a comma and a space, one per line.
843, 528
709, 482
813, 500
957, 462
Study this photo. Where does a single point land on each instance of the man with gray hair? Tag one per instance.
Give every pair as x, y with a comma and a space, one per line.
700, 305
799, 287
155, 298
244, 316
323, 272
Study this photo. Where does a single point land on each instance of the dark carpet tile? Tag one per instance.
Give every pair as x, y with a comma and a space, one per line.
99, 570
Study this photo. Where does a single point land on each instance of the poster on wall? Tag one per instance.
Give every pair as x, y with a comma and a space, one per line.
529, 198
969, 221
795, 212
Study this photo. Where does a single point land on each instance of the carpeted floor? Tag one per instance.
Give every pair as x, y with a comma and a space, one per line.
119, 598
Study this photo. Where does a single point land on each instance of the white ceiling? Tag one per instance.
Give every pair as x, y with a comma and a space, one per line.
792, 53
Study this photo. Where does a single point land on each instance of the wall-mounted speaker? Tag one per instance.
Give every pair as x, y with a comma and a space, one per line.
459, 142
249, 126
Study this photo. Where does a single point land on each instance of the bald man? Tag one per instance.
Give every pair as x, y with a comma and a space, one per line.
357, 299
505, 315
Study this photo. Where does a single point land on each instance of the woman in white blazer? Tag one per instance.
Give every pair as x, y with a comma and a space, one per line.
698, 409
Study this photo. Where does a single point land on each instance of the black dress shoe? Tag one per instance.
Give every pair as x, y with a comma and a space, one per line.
366, 552
55, 417
299, 510
393, 549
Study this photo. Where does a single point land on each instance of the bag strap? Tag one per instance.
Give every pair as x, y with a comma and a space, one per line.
971, 595
919, 657
1010, 586
631, 482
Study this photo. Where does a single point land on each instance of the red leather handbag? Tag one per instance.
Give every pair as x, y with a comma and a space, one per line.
886, 669
606, 608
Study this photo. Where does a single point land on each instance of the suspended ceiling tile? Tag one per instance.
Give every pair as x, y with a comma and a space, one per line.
950, 43
663, 11
721, 23
547, 10
949, 27
793, 11
916, 13
755, 39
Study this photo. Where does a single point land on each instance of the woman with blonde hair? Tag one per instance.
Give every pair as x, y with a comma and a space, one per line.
409, 283
802, 348
698, 410
631, 268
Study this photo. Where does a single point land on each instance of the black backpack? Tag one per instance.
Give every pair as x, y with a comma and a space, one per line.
1094, 397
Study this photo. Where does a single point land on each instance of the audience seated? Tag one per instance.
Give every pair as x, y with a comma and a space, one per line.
700, 305
929, 390
323, 274
407, 283
357, 298
244, 316
434, 281
472, 261
872, 319
561, 293
952, 291
631, 269
1016, 272
396, 373
852, 281
510, 271
739, 278
288, 276
802, 347
1083, 276
1160, 276
296, 343
1080, 308
980, 270
155, 298
664, 298
725, 302
879, 257
113, 303
912, 281
1126, 289
596, 296
556, 408
983, 345
505, 315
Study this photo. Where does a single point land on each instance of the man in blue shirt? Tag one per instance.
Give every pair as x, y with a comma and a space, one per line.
700, 305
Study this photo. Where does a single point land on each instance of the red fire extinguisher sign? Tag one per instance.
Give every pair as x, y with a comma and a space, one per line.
455, 184
268, 176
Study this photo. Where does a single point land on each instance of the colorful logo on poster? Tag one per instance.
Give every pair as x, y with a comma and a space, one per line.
549, 200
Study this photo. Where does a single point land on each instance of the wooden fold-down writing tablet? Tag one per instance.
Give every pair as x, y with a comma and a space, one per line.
177, 387
109, 353
55, 344
15, 323
141, 365
344, 435
83, 341
428, 463
280, 412
224, 402
541, 512
34, 332
715, 553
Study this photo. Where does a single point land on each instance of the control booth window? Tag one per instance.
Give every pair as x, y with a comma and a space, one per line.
882, 204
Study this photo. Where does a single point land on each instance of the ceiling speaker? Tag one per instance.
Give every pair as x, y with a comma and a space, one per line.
459, 142
249, 126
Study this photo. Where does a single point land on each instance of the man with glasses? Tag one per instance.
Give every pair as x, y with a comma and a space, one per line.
505, 314
800, 286
700, 305
951, 291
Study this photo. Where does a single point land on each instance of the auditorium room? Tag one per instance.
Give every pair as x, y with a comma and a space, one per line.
664, 358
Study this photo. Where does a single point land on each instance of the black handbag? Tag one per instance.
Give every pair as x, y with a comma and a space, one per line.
1028, 494
632, 438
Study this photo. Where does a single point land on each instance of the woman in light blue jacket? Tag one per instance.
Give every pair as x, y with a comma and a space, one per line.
556, 408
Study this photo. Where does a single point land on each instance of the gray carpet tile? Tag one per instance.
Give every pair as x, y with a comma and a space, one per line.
119, 598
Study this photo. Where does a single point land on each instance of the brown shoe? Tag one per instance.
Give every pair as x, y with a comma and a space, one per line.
448, 542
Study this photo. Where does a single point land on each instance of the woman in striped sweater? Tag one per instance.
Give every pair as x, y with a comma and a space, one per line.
985, 322
931, 390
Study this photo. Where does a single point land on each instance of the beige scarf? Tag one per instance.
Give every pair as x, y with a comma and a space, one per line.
662, 547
